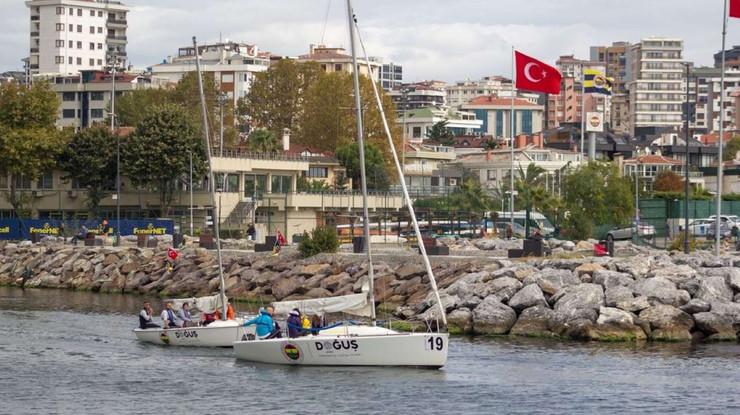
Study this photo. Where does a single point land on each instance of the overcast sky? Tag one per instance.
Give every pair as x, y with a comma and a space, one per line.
432, 39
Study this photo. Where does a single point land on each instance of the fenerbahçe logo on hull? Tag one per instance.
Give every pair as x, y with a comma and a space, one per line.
292, 352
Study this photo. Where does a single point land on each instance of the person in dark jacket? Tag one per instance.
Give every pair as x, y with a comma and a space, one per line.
145, 317
294, 324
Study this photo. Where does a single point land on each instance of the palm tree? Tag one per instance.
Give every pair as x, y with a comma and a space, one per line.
531, 190
263, 141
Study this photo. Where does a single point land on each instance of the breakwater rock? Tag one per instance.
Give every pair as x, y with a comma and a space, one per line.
652, 295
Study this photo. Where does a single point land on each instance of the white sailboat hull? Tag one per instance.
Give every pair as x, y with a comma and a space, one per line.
217, 334
427, 350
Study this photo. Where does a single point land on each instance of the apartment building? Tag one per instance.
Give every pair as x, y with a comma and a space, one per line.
656, 83
391, 74
462, 92
233, 65
68, 36
418, 123
614, 58
417, 95
337, 60
495, 113
569, 105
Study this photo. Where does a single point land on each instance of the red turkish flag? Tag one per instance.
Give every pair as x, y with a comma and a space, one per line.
533, 75
735, 8
172, 253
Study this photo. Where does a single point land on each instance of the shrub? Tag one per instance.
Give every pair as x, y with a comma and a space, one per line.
677, 243
321, 239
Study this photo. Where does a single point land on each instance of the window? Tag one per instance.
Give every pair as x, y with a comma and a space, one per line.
92, 13
100, 62
337, 67
22, 182
71, 11
79, 12
79, 28
60, 10
59, 43
59, 59
416, 132
320, 172
491, 174
71, 28
100, 14
96, 113
96, 96
68, 96
92, 30
46, 181
229, 78
70, 60
100, 30
281, 184
60, 27
79, 61
79, 45
92, 62
3, 181
71, 44
92, 46
100, 46
68, 113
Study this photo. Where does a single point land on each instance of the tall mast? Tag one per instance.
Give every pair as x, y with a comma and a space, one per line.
211, 180
407, 198
361, 145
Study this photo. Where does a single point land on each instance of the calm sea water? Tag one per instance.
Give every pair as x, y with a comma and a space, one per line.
70, 353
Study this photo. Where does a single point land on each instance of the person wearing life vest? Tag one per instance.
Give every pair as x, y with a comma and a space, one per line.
230, 313
265, 324
305, 325
169, 321
294, 323
145, 317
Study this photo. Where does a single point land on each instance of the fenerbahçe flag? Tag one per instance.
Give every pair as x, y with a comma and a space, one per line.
595, 82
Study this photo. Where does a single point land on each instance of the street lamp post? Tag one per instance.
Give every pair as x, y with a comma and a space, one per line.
113, 60
190, 185
686, 245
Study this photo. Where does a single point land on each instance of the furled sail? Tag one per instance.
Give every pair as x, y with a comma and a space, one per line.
355, 304
203, 304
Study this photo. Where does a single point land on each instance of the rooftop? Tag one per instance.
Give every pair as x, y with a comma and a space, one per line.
653, 159
493, 100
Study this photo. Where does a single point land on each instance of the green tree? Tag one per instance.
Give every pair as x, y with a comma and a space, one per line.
134, 106
263, 141
29, 140
90, 159
156, 155
596, 194
321, 239
731, 148
531, 191
440, 134
349, 157
275, 98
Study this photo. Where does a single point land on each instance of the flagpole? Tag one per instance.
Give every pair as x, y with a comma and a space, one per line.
583, 109
718, 220
511, 143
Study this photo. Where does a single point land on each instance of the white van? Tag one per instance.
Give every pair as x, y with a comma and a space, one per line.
536, 220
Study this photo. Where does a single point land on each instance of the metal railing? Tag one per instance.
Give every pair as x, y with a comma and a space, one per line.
254, 155
118, 21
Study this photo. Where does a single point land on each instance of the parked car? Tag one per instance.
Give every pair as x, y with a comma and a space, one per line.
732, 221
643, 230
725, 228
698, 227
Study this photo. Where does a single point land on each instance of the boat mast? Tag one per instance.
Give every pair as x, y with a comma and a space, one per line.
361, 145
211, 180
409, 204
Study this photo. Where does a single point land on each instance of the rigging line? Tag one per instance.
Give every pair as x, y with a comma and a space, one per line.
410, 205
326, 21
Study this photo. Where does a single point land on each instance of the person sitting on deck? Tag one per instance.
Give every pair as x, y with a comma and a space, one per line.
184, 315
145, 317
294, 324
305, 325
168, 317
265, 324
208, 318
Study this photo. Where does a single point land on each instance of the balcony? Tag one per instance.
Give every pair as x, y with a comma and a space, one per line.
117, 22
35, 18
34, 50
116, 39
34, 34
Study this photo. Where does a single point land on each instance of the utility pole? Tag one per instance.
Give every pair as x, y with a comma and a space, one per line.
113, 62
190, 153
686, 246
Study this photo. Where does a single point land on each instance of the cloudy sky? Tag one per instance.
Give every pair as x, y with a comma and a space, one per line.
432, 39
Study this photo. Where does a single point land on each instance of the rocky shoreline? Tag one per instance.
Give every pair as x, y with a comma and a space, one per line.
643, 295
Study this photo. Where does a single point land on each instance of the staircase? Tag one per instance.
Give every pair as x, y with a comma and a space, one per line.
240, 216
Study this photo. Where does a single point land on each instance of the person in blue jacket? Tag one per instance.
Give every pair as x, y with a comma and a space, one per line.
265, 324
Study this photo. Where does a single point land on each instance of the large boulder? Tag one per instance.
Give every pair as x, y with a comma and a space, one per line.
284, 287
637, 266
716, 326
668, 323
502, 288
551, 280
616, 294
609, 279
527, 297
336, 281
675, 273
634, 305
493, 317
534, 322
696, 305
662, 290
579, 301
714, 289
460, 321
614, 324
588, 268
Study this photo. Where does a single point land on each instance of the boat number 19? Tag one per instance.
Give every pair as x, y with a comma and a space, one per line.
434, 343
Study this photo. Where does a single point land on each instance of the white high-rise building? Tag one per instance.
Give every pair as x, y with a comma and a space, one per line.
68, 36
656, 83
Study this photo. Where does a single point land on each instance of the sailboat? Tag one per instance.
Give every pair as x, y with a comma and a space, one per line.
355, 345
220, 333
